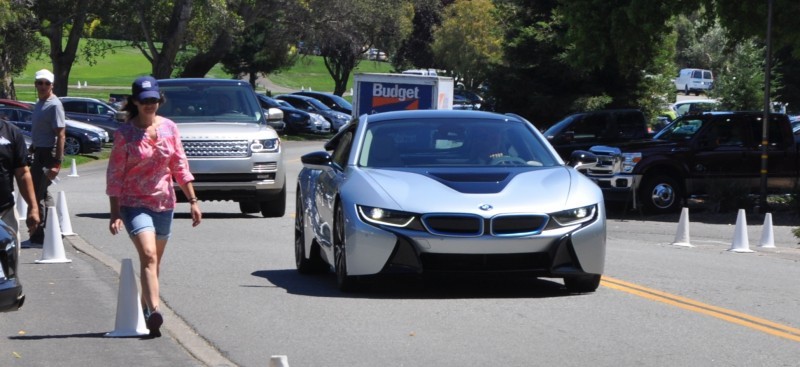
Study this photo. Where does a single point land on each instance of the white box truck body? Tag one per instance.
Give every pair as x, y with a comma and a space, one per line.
376, 92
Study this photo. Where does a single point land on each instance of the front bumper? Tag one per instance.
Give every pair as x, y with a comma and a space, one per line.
573, 250
617, 188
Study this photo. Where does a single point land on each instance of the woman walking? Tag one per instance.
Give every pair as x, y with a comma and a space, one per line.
146, 156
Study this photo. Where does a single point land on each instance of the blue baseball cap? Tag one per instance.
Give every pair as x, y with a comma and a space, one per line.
145, 87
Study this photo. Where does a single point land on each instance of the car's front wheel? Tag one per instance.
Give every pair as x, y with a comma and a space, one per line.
275, 207
582, 283
660, 194
72, 145
345, 282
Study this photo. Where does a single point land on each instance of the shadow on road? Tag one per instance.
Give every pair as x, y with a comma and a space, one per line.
410, 287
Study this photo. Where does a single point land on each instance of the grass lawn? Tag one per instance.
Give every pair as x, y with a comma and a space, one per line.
115, 72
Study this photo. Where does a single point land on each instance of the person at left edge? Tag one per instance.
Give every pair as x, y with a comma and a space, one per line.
14, 165
48, 133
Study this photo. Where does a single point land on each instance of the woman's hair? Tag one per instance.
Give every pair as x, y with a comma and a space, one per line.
132, 110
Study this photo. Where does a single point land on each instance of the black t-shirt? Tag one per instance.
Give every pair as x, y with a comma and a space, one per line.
13, 155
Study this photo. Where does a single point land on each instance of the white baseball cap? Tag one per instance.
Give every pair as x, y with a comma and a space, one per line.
46, 75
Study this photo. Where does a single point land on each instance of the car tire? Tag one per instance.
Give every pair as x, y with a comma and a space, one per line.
72, 145
686, 90
249, 207
660, 194
314, 263
346, 283
276, 207
582, 283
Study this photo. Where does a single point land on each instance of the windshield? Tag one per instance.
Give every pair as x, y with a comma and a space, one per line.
341, 101
209, 103
681, 129
453, 143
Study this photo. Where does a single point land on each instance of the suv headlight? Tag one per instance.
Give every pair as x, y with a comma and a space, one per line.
265, 145
629, 161
575, 216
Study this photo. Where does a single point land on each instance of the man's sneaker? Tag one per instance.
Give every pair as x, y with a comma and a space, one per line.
154, 323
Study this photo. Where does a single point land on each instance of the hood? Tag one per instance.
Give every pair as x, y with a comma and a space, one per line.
84, 126
506, 190
227, 130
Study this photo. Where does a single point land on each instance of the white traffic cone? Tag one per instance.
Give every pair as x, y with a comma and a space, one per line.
53, 247
21, 206
767, 235
740, 241
63, 215
74, 171
130, 319
79, 84
85, 83
278, 361
682, 236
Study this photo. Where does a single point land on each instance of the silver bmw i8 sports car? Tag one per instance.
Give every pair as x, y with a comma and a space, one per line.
442, 191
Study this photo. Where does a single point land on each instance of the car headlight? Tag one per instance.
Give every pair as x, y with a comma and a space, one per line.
392, 218
629, 160
265, 145
575, 216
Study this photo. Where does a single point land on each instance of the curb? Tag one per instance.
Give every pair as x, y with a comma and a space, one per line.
187, 337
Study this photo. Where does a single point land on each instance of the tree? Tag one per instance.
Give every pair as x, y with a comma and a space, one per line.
740, 85
345, 29
68, 18
18, 25
415, 51
468, 41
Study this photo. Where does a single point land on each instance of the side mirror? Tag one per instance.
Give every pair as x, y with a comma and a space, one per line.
582, 158
274, 114
317, 160
121, 116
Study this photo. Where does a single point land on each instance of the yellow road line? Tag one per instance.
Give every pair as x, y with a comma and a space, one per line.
738, 318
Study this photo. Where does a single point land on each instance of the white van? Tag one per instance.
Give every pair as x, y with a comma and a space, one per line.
694, 81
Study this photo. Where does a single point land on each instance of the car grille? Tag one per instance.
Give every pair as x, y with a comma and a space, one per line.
217, 148
468, 225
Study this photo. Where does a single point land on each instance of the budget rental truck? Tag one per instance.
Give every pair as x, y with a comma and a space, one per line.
377, 92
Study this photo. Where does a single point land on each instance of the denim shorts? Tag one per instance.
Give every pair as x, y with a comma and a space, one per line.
138, 220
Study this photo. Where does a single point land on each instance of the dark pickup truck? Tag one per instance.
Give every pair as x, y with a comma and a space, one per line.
583, 130
691, 155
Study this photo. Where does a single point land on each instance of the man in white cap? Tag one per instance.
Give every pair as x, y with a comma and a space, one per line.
48, 133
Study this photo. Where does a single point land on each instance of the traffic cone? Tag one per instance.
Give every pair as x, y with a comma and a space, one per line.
682, 236
130, 319
740, 241
53, 247
278, 361
74, 172
20, 206
63, 215
767, 235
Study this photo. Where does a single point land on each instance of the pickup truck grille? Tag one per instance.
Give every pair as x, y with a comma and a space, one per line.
217, 148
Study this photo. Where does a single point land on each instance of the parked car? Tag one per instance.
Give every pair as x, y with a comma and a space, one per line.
309, 104
331, 100
81, 138
694, 106
296, 120
11, 295
474, 98
92, 111
460, 102
12, 103
233, 156
420, 192
694, 81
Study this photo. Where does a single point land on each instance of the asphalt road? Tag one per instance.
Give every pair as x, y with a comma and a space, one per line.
232, 281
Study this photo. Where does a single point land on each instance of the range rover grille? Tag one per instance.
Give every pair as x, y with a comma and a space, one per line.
217, 148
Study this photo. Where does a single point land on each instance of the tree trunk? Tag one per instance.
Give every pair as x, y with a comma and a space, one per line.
64, 59
199, 65
164, 60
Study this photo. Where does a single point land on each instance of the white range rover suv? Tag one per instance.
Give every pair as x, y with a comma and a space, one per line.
233, 153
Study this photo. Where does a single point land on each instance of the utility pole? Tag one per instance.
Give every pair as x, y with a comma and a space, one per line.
762, 204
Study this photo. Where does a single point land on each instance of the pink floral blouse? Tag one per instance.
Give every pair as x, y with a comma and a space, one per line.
140, 170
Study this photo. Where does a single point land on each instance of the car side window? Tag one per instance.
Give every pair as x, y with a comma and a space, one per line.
75, 106
342, 151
